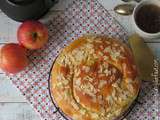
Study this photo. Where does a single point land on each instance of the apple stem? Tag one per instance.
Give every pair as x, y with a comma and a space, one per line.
34, 35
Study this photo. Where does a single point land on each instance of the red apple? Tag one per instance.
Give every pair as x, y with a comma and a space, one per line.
32, 34
13, 58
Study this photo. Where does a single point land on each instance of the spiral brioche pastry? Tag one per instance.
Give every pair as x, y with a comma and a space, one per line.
94, 78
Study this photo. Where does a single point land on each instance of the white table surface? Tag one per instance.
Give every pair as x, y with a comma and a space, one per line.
13, 105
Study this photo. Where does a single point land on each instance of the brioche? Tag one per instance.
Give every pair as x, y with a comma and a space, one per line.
94, 78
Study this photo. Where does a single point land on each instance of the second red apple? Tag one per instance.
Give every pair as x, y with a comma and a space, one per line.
13, 58
32, 34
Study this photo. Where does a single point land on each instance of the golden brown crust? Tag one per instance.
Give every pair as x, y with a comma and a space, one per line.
94, 78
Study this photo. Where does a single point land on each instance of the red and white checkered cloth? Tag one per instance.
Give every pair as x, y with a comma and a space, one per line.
80, 17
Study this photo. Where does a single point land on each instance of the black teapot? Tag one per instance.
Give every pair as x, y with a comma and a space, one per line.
21, 10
